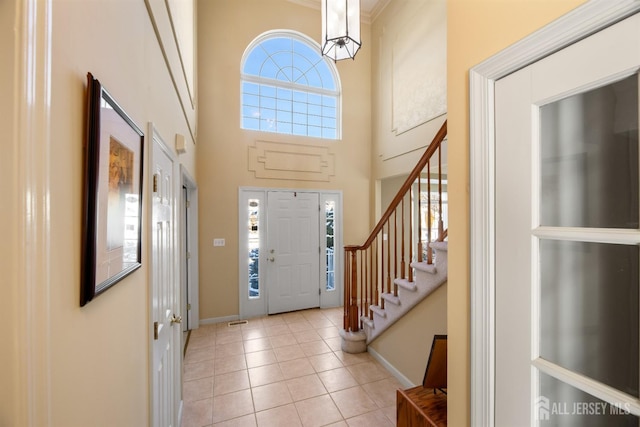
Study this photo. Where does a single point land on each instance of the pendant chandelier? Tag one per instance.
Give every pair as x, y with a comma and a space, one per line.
340, 28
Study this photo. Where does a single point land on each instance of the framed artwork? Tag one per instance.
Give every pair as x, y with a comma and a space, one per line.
112, 216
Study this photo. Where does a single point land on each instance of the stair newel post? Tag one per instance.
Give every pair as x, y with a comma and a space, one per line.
395, 249
347, 289
419, 213
429, 253
351, 304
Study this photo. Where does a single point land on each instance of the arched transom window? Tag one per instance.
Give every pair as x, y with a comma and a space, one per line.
288, 87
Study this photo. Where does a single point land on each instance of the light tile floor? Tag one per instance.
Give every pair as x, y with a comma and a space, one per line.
283, 370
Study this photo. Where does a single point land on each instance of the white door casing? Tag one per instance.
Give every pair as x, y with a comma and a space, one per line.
293, 261
189, 254
569, 155
585, 20
258, 305
166, 387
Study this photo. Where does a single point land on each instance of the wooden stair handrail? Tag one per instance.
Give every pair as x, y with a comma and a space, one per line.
415, 173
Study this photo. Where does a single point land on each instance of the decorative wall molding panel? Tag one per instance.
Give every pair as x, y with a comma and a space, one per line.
277, 160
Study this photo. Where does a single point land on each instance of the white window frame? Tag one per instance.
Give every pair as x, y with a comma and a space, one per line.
337, 93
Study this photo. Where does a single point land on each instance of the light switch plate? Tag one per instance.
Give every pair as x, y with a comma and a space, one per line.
218, 242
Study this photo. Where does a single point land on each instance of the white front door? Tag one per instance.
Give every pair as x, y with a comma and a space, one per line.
167, 362
293, 257
568, 236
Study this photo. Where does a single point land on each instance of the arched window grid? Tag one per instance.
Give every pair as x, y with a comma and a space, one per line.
293, 98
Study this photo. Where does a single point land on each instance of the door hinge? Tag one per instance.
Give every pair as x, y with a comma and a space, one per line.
155, 182
188, 255
156, 327
319, 291
188, 306
188, 203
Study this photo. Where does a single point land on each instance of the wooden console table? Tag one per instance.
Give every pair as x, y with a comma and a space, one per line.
418, 407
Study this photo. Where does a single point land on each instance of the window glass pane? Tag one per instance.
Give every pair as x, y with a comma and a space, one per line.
250, 112
254, 62
268, 125
285, 94
267, 102
299, 77
315, 99
284, 105
254, 248
315, 110
329, 101
326, 75
300, 119
329, 123
250, 123
589, 310
300, 96
267, 114
250, 88
300, 107
284, 127
314, 78
589, 158
329, 112
329, 210
329, 133
250, 100
269, 69
562, 405
315, 131
315, 120
299, 129
269, 91
276, 44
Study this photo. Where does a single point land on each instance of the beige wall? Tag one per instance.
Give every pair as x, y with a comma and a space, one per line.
397, 153
99, 358
477, 29
417, 327
8, 304
226, 28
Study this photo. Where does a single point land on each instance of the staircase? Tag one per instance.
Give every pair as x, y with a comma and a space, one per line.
428, 278
403, 260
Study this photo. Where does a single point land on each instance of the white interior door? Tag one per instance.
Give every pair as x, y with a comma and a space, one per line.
167, 362
293, 256
567, 236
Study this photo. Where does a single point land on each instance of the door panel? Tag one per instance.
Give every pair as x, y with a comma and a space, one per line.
293, 268
567, 259
166, 376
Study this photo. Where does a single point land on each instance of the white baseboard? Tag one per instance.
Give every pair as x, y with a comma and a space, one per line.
214, 320
406, 383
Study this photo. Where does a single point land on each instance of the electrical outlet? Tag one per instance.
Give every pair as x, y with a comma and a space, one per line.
218, 242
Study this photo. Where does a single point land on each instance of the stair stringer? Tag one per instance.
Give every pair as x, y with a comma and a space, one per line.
427, 280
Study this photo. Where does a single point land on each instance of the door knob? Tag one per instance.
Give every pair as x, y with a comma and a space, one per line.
271, 259
175, 319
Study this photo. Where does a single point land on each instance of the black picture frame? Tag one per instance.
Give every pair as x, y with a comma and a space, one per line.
112, 208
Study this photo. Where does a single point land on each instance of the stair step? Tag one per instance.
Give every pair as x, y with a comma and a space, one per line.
391, 298
440, 246
379, 311
404, 283
423, 266
367, 321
